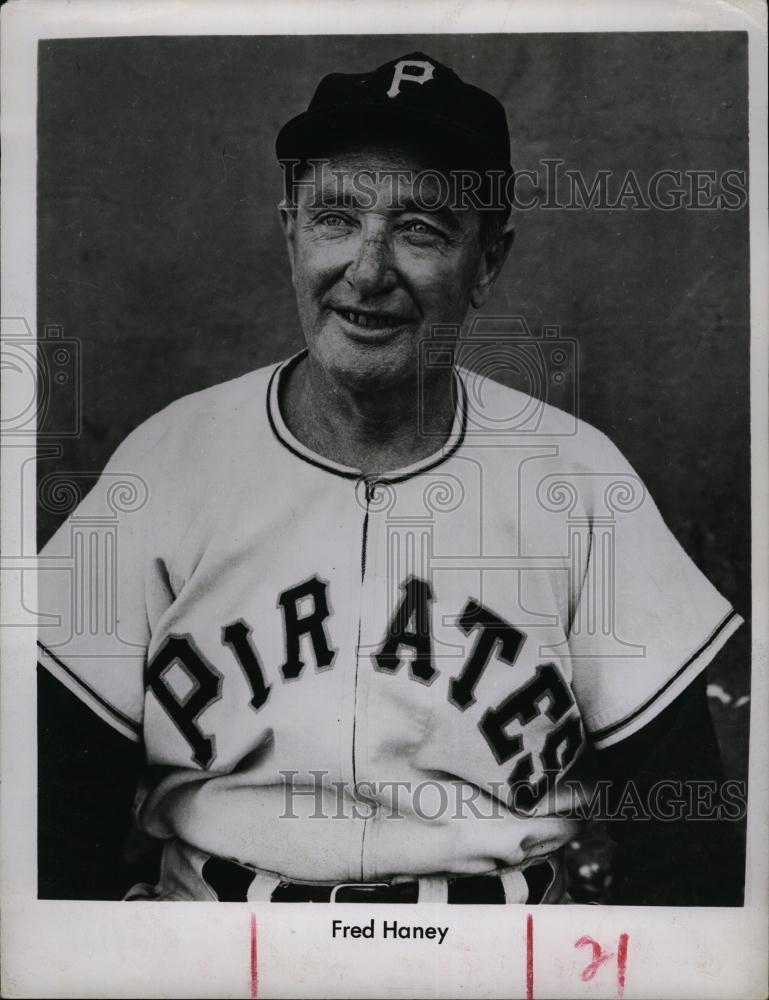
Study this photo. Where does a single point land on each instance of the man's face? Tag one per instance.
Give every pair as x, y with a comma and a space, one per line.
374, 269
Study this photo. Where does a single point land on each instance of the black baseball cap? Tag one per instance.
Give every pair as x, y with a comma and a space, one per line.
413, 98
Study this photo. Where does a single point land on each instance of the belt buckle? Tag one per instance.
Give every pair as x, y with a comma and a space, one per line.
363, 886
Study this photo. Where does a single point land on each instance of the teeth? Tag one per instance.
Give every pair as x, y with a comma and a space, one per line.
369, 320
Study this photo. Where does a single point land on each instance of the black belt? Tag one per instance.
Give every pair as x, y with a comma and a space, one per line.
230, 881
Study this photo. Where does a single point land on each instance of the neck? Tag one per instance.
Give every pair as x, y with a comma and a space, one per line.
375, 431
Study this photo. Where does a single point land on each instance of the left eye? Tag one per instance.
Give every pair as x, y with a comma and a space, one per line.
333, 220
420, 229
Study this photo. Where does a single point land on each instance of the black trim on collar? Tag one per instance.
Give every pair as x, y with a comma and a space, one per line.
456, 435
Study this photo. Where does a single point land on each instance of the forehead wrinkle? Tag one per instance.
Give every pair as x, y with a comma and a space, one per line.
337, 188
374, 167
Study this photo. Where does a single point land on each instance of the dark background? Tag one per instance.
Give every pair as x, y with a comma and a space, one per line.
160, 249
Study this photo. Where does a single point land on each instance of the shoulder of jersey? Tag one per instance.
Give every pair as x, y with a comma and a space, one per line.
209, 422
514, 417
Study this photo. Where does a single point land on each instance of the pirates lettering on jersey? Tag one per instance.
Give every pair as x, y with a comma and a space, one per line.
238, 637
562, 743
411, 626
494, 633
312, 625
306, 610
180, 650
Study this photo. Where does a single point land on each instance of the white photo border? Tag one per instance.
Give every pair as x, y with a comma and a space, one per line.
60, 948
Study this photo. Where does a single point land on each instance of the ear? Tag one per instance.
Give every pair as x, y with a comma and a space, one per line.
492, 261
288, 221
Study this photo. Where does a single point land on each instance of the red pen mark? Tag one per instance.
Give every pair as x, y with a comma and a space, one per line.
529, 957
601, 957
254, 965
621, 963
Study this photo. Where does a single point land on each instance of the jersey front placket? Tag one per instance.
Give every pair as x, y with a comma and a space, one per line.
370, 625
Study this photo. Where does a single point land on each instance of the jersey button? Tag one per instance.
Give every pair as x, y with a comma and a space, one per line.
367, 491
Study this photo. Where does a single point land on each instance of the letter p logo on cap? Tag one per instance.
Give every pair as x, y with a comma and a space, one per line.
400, 75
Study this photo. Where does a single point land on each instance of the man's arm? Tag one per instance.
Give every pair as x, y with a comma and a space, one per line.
679, 862
87, 774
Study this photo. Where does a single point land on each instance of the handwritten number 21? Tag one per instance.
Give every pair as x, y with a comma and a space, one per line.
601, 957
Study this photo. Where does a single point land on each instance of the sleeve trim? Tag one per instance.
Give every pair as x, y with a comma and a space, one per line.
636, 719
122, 723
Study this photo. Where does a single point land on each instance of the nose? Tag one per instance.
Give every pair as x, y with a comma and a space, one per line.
371, 269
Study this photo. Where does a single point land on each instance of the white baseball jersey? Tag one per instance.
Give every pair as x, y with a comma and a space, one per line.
267, 621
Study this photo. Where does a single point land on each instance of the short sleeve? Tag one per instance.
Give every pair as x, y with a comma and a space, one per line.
99, 585
645, 620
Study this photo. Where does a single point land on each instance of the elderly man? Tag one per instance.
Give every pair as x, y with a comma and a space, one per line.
362, 637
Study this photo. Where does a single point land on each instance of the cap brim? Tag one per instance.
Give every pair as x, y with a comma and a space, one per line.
316, 134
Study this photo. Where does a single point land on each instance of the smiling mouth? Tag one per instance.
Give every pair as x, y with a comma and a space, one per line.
372, 320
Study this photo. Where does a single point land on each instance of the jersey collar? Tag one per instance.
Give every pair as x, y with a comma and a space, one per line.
287, 439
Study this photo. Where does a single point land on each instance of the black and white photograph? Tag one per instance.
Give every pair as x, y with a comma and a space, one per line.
381, 452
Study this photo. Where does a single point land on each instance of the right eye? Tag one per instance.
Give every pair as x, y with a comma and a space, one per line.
334, 220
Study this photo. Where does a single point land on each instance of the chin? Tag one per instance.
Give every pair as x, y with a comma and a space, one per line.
367, 367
